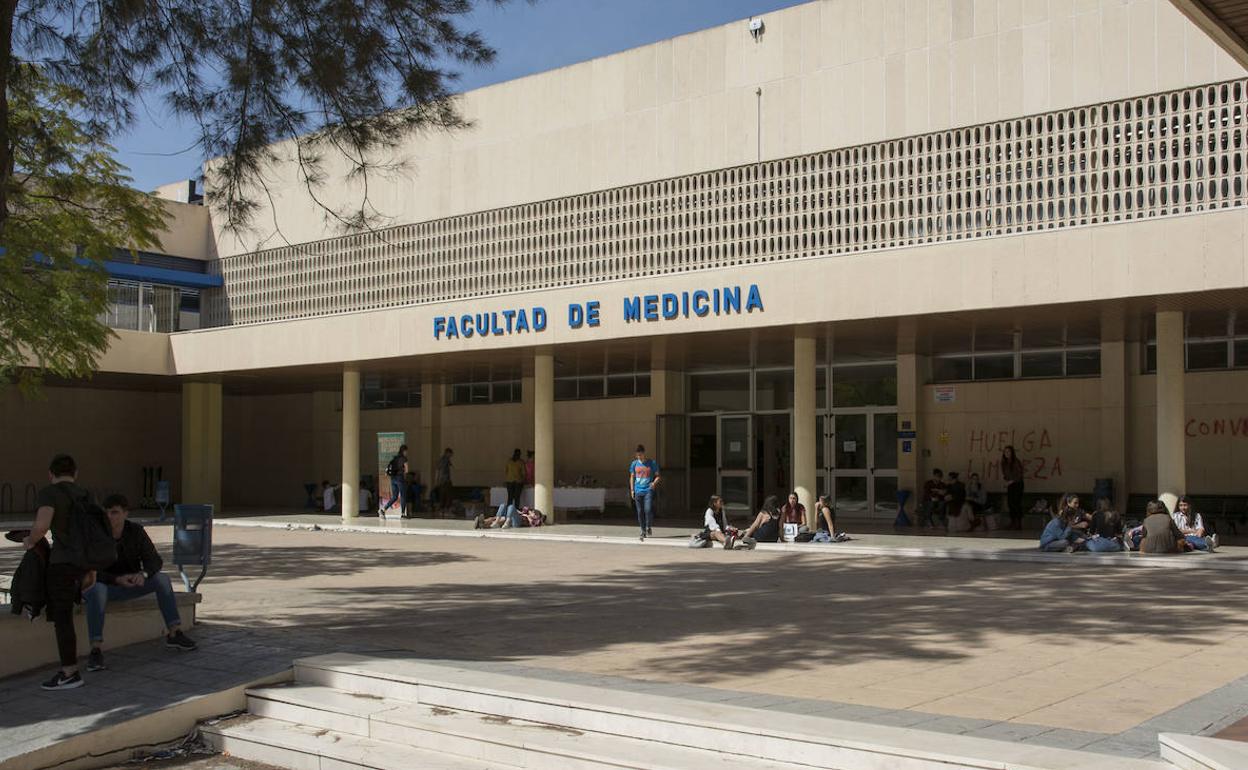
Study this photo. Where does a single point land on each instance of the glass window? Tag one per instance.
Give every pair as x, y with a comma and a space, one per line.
865, 385
1241, 323
1042, 364
994, 367
643, 384
590, 387
775, 390
1207, 355
1083, 363
1241, 353
621, 385
821, 387
1150, 358
951, 369
565, 389
719, 392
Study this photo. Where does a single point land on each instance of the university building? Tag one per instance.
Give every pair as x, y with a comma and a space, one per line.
875, 239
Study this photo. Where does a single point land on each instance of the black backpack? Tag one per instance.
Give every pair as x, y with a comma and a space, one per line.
88, 543
395, 468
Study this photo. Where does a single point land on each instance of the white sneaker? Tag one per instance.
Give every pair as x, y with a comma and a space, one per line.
1213, 543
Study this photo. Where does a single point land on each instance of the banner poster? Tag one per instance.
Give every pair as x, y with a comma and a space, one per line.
387, 447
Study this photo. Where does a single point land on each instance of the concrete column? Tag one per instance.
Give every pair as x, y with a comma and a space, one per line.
201, 443
1115, 404
805, 475
350, 441
1171, 408
429, 442
911, 374
544, 432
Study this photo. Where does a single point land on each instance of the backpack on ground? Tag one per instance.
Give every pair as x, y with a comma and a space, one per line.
395, 468
88, 543
700, 540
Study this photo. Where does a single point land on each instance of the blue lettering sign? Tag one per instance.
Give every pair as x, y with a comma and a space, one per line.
701, 300
591, 313
576, 316
539, 319
632, 309
754, 301
439, 327
651, 301
671, 306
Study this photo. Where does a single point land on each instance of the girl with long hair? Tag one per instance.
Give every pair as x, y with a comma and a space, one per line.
1012, 473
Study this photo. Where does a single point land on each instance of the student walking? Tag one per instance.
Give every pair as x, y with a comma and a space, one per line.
55, 506
643, 479
397, 471
442, 482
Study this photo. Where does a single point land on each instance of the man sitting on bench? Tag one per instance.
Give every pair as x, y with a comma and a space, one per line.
135, 573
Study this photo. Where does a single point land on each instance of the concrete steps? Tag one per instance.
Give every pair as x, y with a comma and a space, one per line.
348, 711
1195, 752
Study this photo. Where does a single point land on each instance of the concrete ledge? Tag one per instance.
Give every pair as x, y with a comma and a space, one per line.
1197, 752
125, 740
1023, 554
810, 741
28, 644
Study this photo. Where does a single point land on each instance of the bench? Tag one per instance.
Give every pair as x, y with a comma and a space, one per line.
30, 645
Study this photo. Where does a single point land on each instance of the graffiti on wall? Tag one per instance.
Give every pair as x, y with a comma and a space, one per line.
1041, 459
1236, 427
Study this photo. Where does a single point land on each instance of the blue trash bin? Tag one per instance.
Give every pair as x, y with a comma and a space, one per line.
192, 541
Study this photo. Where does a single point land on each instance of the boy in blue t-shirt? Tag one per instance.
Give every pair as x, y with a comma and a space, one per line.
643, 477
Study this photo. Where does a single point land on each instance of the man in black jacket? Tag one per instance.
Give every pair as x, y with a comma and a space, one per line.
135, 573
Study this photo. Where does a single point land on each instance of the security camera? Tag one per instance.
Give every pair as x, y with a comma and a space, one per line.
756, 27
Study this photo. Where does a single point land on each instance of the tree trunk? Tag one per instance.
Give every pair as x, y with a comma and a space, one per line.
8, 10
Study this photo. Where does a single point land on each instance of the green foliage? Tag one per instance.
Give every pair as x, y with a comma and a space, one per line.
69, 206
348, 80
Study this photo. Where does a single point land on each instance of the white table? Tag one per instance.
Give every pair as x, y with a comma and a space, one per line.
565, 497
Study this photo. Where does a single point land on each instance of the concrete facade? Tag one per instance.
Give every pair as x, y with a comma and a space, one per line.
873, 171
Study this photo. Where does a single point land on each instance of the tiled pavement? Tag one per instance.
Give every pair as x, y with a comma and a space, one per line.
279, 595
145, 678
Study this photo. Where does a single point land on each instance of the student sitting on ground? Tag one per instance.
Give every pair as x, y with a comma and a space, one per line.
1106, 528
1158, 533
793, 513
1192, 525
977, 495
1060, 534
329, 497
135, 573
508, 517
766, 526
715, 525
825, 523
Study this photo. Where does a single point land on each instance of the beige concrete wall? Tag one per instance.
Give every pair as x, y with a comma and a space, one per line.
112, 434
1128, 259
1216, 432
188, 231
275, 444
1061, 429
1054, 424
833, 74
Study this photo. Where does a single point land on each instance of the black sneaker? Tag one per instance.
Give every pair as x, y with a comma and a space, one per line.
95, 661
649, 532
180, 641
61, 681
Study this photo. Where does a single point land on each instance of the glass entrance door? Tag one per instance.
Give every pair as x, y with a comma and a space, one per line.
736, 466
861, 451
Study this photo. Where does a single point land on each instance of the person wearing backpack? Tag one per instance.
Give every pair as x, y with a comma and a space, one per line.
397, 471
81, 543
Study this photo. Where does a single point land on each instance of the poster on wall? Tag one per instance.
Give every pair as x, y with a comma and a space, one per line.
945, 394
387, 447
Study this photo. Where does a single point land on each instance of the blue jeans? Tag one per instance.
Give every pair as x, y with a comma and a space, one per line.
643, 503
1198, 542
514, 519
99, 595
398, 491
1104, 545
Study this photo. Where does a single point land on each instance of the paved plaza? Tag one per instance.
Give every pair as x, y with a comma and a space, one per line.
1069, 653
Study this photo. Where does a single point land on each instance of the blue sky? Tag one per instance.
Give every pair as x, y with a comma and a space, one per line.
529, 38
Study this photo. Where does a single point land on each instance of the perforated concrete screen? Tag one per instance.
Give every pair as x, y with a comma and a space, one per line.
1160, 155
